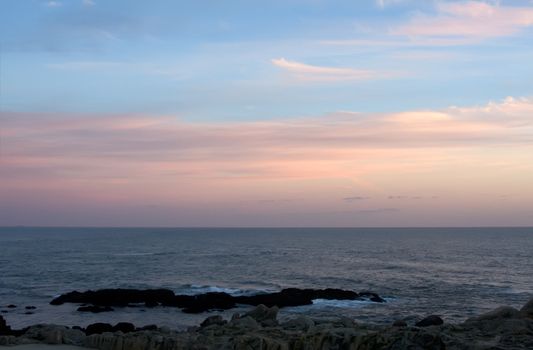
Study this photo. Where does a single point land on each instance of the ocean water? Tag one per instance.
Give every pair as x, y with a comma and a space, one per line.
452, 272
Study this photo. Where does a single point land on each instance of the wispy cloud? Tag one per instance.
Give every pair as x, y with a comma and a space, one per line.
53, 4
303, 71
87, 65
472, 20
355, 198
384, 3
88, 2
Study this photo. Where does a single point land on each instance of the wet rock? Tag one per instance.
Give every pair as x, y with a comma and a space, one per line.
399, 323
4, 328
151, 304
207, 301
527, 309
30, 307
213, 320
301, 323
246, 323
265, 316
95, 309
116, 297
29, 313
11, 306
53, 334
150, 327
499, 313
98, 328
432, 320
124, 327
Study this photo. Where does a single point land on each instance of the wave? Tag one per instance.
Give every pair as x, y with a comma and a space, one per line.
192, 289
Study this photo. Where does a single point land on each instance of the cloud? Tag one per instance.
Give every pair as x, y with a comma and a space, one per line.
87, 65
384, 3
340, 143
307, 72
88, 2
53, 4
355, 198
110, 161
473, 20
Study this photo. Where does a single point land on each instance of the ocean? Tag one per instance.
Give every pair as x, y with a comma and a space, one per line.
452, 272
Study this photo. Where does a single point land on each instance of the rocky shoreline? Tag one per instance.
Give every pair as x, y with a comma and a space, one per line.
503, 328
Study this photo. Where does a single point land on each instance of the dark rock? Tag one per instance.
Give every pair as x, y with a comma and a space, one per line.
399, 323
116, 297
124, 327
150, 327
30, 308
264, 315
204, 302
4, 328
11, 306
98, 328
4, 311
208, 301
431, 320
377, 299
29, 313
151, 304
500, 313
301, 323
527, 310
213, 320
95, 308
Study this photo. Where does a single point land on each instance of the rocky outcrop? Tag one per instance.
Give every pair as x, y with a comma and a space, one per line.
504, 328
103, 300
432, 320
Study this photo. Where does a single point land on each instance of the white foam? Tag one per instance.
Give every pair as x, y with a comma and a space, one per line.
341, 303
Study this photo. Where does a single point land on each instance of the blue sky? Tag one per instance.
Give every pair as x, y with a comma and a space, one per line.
266, 113
213, 60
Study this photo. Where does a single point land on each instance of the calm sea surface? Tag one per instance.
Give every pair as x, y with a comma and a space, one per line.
455, 273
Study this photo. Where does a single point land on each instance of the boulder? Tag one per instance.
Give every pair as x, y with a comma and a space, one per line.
98, 328
4, 328
432, 320
499, 313
527, 309
95, 309
265, 316
399, 324
301, 323
53, 334
213, 320
124, 327
245, 323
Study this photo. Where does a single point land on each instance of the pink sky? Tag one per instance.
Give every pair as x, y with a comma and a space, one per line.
460, 166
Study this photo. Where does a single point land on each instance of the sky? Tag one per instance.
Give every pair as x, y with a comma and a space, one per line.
274, 113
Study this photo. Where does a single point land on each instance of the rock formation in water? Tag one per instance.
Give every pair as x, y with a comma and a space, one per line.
503, 328
102, 300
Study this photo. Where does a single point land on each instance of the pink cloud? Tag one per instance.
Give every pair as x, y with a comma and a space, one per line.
307, 72
472, 20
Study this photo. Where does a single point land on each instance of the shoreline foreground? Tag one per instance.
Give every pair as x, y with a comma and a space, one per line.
502, 328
